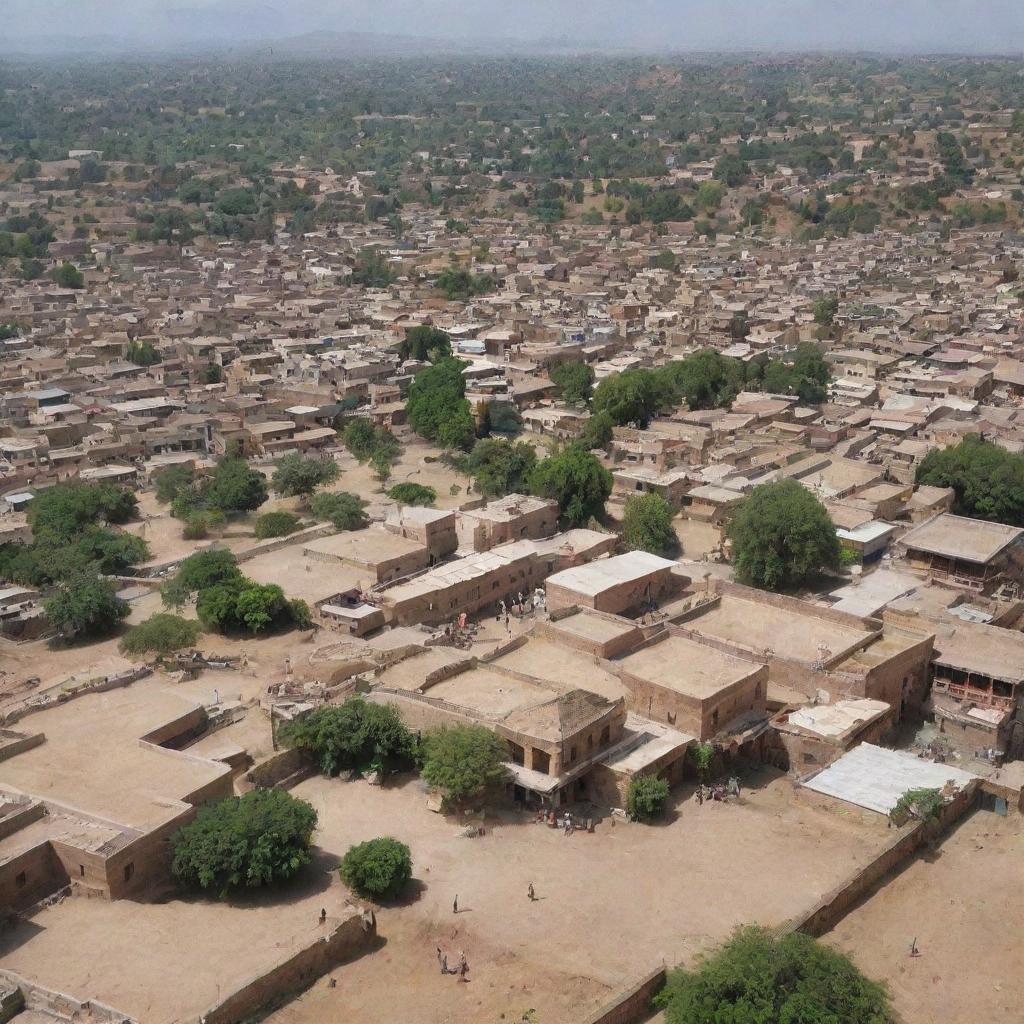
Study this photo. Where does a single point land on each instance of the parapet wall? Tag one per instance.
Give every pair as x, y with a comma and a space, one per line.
354, 935
634, 1003
61, 1005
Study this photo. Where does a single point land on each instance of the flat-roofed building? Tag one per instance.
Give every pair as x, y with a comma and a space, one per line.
385, 556
633, 581
433, 528
817, 735
514, 517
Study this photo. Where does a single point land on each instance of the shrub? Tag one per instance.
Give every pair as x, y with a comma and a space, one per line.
295, 475
464, 761
161, 633
87, 606
923, 804
254, 840
276, 524
343, 510
413, 494
646, 797
647, 525
197, 527
378, 869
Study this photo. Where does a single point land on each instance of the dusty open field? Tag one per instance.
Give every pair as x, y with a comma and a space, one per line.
611, 905
964, 905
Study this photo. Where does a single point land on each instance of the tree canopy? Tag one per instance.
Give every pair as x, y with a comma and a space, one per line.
295, 474
499, 467
424, 343
576, 480
276, 524
412, 494
782, 536
633, 396
86, 606
161, 633
437, 406
357, 735
245, 841
344, 510
575, 381
987, 481
646, 797
67, 275
378, 869
464, 761
647, 525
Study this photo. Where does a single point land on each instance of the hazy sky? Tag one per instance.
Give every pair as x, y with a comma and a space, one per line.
913, 25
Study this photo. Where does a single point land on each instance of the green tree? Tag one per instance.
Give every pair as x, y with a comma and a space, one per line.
297, 475
825, 310
633, 396
86, 607
502, 418
67, 275
235, 487
258, 605
597, 432
143, 353
360, 438
758, 977
172, 481
199, 572
704, 380
457, 283
646, 797
499, 467
247, 841
647, 525
381, 463
577, 481
732, 170
921, 804
437, 397
161, 633
782, 536
371, 269
378, 869
354, 736
413, 494
710, 195
276, 524
213, 373
458, 431
424, 343
63, 511
464, 761
987, 481
575, 381
344, 510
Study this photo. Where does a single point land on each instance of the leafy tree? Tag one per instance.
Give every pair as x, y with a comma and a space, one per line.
437, 398
197, 526
703, 755
987, 481
424, 343
143, 353
199, 572
67, 275
360, 438
381, 463
459, 430
235, 487
413, 494
172, 481
782, 536
161, 633
704, 380
499, 467
804, 373
63, 511
664, 260
597, 432
825, 310
575, 380
371, 269
236, 202
378, 869
357, 735
633, 396
502, 418
257, 605
577, 481
647, 525
249, 841
8, 331
922, 804
344, 510
646, 797
276, 524
710, 195
457, 283
87, 606
732, 170
296, 475
760, 977
213, 373
464, 761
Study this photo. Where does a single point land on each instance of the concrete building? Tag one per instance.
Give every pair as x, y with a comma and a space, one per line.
634, 581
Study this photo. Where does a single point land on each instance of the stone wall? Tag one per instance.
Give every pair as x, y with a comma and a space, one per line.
354, 935
60, 1005
633, 1004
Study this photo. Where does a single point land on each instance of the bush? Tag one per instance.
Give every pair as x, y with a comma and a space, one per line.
499, 467
782, 536
254, 840
88, 606
355, 735
758, 977
276, 524
343, 510
413, 494
172, 481
295, 475
67, 275
646, 797
464, 761
575, 380
577, 481
378, 869
197, 527
161, 633
923, 804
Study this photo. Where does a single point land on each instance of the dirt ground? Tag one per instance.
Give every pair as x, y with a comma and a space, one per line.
611, 905
964, 905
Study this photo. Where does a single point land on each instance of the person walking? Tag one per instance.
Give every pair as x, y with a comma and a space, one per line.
455, 905
463, 967
529, 892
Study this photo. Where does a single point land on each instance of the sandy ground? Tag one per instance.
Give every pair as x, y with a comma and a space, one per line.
610, 905
964, 904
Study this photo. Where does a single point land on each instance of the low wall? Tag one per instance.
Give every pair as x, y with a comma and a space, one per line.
351, 937
275, 769
633, 1004
61, 1005
835, 905
57, 694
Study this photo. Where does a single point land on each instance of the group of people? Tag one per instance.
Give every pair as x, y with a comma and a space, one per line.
719, 792
462, 970
522, 604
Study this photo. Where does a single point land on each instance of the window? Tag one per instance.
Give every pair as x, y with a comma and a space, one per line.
590, 742
572, 755
129, 870
714, 717
20, 880
606, 734
81, 871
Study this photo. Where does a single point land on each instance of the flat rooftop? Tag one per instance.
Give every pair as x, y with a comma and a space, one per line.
364, 546
875, 777
589, 626
92, 760
788, 631
971, 540
687, 667
604, 574
832, 721
509, 508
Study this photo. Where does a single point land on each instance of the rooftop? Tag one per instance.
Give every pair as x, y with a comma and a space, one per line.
606, 573
687, 667
971, 540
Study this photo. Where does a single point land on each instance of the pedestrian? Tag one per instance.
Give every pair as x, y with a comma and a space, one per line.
914, 951
700, 794
455, 905
530, 892
463, 967
507, 626
440, 954
323, 914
